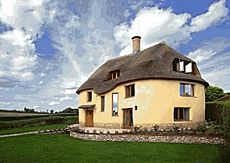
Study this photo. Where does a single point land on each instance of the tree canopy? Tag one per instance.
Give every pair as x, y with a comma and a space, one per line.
213, 93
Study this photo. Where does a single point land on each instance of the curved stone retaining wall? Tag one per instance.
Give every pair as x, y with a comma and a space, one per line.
148, 138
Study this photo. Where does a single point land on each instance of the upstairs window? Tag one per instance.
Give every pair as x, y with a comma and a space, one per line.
186, 89
181, 114
176, 65
129, 90
102, 103
89, 96
114, 74
183, 66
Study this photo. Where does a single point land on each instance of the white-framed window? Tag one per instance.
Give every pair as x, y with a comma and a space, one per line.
186, 89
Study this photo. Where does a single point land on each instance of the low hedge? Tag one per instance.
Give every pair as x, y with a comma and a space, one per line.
38, 122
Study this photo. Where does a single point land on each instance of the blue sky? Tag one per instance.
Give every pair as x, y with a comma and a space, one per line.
49, 48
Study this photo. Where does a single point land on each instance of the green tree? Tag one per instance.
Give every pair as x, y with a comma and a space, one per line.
213, 93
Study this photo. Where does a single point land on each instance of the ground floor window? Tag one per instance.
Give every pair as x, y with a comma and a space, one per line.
114, 104
181, 114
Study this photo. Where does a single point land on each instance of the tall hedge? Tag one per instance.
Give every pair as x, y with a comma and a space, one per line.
213, 111
225, 148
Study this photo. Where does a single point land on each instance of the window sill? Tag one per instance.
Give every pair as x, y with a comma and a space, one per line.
129, 97
114, 115
187, 96
182, 121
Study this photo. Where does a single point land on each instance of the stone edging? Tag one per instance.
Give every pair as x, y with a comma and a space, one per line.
149, 138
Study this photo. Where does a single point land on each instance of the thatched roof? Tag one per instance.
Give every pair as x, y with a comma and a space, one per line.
152, 63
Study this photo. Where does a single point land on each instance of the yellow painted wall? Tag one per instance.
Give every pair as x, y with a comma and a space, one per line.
155, 101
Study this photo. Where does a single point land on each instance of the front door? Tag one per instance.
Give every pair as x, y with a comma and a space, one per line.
89, 118
127, 118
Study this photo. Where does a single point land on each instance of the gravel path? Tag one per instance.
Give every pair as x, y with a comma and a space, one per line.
19, 134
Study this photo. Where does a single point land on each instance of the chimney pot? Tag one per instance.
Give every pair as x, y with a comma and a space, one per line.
136, 40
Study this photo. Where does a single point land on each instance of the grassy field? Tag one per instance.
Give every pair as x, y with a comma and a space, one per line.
12, 122
14, 114
63, 148
28, 129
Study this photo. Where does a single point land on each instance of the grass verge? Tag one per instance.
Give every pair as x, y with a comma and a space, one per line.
28, 129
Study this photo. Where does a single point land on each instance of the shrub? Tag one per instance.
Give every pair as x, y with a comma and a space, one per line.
201, 128
213, 111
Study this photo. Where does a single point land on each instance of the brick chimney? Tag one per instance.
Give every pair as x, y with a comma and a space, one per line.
136, 40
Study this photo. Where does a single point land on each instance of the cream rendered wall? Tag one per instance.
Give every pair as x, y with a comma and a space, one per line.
155, 101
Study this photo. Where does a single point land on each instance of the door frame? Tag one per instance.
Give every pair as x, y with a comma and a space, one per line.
86, 122
131, 118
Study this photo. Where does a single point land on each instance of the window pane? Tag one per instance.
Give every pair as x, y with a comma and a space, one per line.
181, 89
175, 113
188, 90
133, 90
102, 103
115, 104
188, 68
186, 114
89, 96
181, 65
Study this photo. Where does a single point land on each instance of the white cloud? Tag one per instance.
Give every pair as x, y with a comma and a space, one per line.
65, 98
216, 12
70, 91
54, 103
201, 54
155, 25
213, 59
36, 107
17, 50
17, 58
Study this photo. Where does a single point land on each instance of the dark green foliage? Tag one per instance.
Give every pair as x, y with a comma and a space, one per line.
63, 148
226, 120
225, 149
27, 110
213, 93
13, 118
70, 110
38, 121
213, 111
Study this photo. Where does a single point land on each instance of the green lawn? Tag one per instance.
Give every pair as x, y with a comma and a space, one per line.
63, 148
27, 129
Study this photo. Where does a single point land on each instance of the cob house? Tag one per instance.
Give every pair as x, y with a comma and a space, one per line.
155, 86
